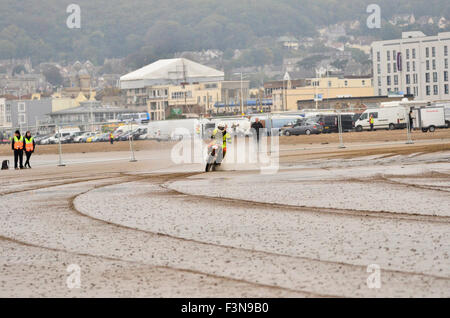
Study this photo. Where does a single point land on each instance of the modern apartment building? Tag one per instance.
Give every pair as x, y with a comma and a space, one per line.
415, 64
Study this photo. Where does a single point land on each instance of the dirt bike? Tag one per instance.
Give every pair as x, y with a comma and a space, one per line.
211, 161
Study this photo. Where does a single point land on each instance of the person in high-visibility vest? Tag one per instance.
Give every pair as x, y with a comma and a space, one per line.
111, 138
17, 144
30, 146
371, 122
221, 137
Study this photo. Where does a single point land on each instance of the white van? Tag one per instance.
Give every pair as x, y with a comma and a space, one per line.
172, 129
384, 118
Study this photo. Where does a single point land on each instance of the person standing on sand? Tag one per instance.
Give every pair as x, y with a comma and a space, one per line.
411, 120
17, 146
30, 146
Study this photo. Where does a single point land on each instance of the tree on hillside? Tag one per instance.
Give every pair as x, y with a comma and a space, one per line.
53, 76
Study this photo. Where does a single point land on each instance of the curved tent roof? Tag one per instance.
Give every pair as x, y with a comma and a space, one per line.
170, 71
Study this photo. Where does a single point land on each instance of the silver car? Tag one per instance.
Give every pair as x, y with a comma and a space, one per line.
302, 128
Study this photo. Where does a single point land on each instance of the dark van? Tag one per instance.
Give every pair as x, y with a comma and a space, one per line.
330, 122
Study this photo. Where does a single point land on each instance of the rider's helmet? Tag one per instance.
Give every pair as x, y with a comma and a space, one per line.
221, 126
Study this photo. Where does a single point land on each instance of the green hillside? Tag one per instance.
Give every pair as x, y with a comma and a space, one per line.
149, 29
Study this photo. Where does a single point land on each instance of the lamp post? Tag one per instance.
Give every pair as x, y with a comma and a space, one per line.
242, 90
60, 162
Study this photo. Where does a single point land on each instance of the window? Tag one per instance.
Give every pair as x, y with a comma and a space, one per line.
379, 92
21, 107
428, 90
22, 119
413, 53
389, 68
407, 54
8, 118
408, 79
445, 63
446, 89
435, 89
346, 83
388, 80
414, 66
374, 115
388, 54
427, 52
427, 77
395, 79
378, 56
394, 66
428, 65
181, 95
435, 77
433, 52
363, 82
408, 90
415, 78
445, 50
416, 91
394, 55
446, 76
378, 69
379, 81
408, 67
434, 64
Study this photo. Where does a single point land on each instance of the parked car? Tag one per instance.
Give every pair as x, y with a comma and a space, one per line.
93, 138
302, 127
82, 138
101, 137
41, 138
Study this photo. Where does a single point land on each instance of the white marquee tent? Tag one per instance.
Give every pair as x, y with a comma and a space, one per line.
170, 71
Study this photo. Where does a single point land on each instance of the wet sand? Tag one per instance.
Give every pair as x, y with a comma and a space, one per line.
157, 229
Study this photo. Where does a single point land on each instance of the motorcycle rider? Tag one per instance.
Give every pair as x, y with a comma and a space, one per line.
221, 137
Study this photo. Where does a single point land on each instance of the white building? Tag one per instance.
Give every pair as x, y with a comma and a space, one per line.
415, 64
5, 115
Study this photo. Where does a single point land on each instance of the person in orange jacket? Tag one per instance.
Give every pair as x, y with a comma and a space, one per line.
30, 146
17, 145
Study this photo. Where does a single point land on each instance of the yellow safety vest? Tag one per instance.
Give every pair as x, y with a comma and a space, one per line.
29, 144
18, 143
226, 137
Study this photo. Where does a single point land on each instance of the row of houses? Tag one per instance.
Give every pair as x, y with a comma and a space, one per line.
45, 114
